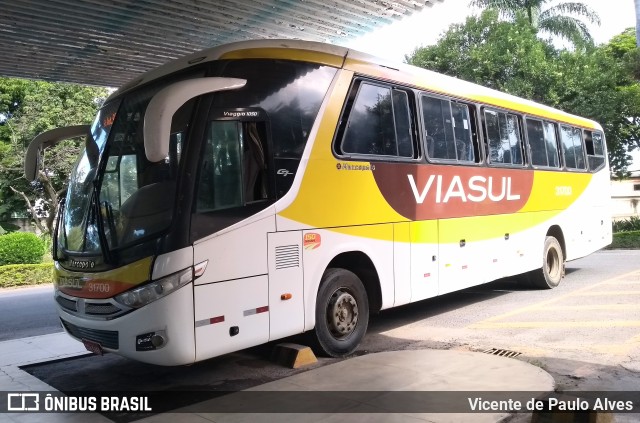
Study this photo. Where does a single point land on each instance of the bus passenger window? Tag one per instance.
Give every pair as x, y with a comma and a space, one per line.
551, 141
448, 130
572, 147
595, 149
379, 123
403, 123
503, 133
535, 135
538, 143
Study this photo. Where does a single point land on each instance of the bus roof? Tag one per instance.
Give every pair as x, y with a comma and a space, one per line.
363, 64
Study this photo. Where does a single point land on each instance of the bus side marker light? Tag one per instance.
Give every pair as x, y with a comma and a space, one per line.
285, 297
210, 321
255, 311
427, 275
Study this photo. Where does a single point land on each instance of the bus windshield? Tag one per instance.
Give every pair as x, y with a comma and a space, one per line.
78, 231
129, 198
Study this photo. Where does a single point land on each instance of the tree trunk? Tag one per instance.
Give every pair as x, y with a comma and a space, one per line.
53, 198
32, 210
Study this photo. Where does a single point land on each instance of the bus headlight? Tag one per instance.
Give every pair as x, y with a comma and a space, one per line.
138, 297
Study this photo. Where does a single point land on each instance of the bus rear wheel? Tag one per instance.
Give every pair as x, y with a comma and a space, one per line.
342, 313
552, 271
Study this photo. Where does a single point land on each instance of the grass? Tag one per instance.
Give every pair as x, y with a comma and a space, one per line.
626, 240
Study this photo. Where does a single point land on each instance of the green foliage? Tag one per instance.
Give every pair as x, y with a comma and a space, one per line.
21, 248
627, 225
626, 240
561, 20
25, 274
501, 55
28, 108
599, 83
6, 227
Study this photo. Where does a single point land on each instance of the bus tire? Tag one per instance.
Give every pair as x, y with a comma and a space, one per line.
552, 271
342, 313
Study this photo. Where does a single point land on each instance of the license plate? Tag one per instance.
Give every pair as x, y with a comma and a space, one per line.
94, 347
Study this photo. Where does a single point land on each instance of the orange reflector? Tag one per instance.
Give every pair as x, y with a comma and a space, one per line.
285, 297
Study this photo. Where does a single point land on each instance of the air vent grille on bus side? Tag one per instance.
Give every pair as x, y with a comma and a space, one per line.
287, 256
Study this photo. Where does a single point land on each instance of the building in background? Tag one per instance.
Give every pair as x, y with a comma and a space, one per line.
625, 193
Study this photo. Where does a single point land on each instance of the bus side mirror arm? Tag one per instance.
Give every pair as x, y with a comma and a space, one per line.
45, 140
163, 105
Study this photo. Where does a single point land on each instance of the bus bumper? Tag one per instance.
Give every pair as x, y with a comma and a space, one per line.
167, 322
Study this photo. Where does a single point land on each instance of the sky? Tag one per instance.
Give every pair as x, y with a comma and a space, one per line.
396, 40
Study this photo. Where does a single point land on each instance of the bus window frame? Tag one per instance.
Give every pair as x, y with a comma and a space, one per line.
519, 118
561, 164
345, 114
604, 148
584, 152
476, 139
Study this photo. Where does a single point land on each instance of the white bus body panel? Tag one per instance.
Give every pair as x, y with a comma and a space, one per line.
238, 251
222, 306
175, 261
402, 263
425, 274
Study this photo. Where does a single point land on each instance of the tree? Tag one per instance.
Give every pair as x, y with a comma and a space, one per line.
555, 20
598, 83
501, 55
28, 108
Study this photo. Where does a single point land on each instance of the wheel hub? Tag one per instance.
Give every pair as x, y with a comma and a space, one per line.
342, 313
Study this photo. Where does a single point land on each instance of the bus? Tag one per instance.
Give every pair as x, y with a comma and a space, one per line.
262, 189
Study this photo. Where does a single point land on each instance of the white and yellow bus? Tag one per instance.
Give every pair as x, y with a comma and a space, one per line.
262, 189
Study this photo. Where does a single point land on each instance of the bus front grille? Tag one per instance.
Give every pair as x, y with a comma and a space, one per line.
66, 303
101, 309
106, 338
95, 309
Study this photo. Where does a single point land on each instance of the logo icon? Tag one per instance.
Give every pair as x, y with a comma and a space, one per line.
312, 241
284, 172
23, 402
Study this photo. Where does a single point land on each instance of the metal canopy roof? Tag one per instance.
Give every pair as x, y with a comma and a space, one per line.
109, 42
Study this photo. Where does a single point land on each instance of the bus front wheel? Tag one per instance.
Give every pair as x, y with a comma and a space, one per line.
552, 271
342, 312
